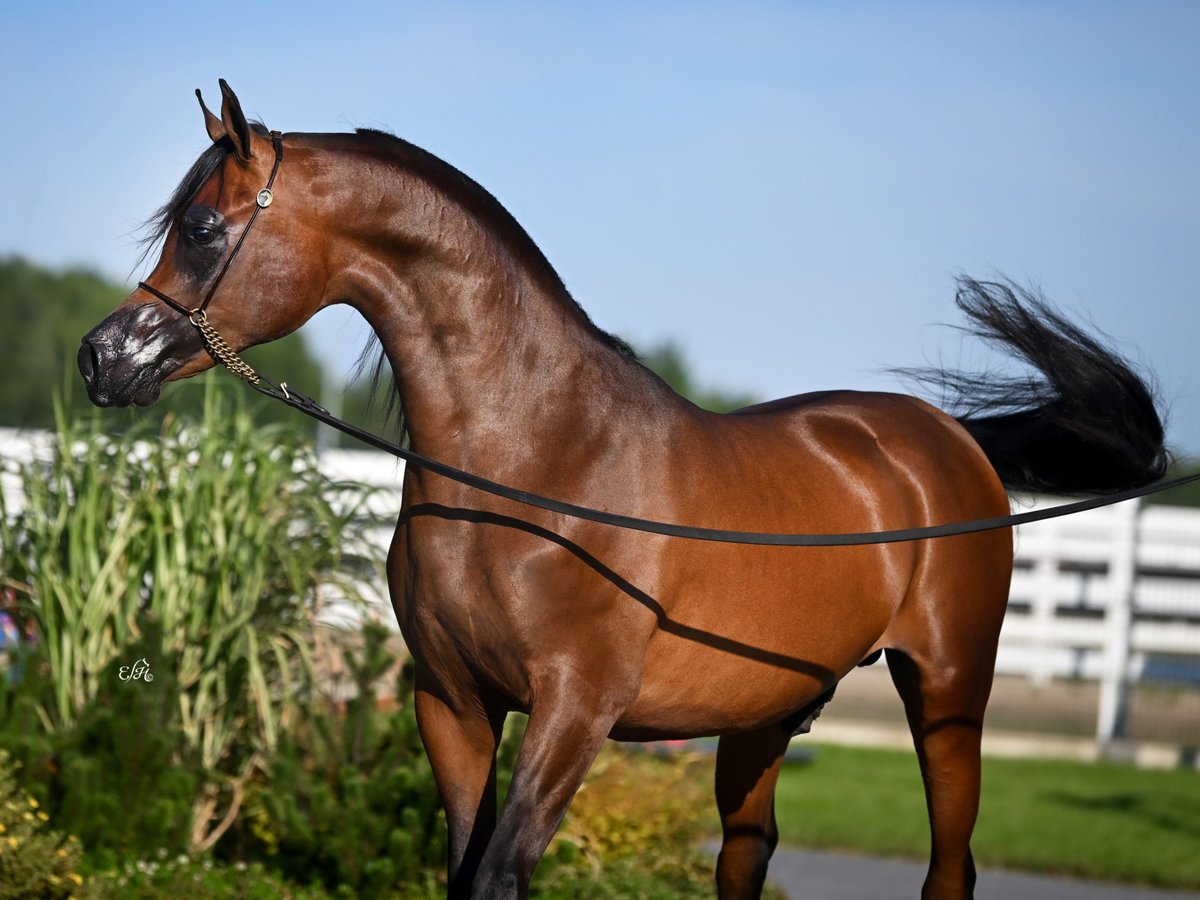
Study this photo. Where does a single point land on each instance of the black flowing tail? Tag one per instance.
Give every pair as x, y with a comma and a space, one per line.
1086, 423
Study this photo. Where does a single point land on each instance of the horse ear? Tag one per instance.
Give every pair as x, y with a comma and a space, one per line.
235, 124
214, 126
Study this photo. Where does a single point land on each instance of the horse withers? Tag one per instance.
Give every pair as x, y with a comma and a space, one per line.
596, 631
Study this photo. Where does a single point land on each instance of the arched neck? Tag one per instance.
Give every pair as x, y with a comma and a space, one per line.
484, 341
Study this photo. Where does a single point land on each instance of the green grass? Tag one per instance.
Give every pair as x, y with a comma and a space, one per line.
1101, 821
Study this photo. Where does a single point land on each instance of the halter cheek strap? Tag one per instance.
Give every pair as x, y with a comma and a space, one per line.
213, 342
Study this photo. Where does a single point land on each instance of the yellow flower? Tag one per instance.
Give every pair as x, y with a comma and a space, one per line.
61, 852
2, 828
43, 817
76, 877
33, 803
12, 842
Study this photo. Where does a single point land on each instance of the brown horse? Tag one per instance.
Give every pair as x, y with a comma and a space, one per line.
595, 631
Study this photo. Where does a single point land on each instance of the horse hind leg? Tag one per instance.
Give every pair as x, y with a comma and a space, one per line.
945, 707
748, 766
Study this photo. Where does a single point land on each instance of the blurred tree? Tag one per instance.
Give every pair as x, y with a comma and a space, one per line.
43, 316
39, 311
1189, 494
668, 361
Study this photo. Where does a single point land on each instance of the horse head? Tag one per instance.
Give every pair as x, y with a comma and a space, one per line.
250, 291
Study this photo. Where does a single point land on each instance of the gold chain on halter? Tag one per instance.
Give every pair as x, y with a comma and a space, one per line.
221, 351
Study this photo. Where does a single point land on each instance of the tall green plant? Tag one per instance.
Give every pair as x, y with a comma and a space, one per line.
224, 536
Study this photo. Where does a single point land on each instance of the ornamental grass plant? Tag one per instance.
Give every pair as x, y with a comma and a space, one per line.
205, 550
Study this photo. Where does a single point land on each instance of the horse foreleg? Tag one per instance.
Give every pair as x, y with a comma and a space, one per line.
461, 746
747, 768
566, 730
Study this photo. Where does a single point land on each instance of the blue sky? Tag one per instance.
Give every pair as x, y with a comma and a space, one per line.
785, 189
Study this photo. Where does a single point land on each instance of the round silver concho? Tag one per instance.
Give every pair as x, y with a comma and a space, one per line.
265, 198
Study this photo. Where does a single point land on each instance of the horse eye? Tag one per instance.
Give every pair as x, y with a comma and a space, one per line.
202, 234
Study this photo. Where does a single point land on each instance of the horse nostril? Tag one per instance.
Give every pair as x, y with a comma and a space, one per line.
88, 362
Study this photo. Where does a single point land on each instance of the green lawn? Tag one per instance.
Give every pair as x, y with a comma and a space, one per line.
1089, 820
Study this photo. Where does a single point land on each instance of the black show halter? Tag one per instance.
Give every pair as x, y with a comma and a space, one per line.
224, 354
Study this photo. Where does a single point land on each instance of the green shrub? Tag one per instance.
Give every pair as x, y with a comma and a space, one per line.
350, 797
120, 785
35, 861
633, 829
112, 779
165, 875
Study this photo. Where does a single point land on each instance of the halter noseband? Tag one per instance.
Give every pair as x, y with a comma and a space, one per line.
213, 342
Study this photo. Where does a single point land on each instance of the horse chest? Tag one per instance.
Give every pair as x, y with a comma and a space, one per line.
466, 609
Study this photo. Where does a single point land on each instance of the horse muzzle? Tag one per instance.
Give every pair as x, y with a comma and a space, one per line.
125, 359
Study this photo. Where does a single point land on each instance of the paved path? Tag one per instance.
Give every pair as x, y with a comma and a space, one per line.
806, 875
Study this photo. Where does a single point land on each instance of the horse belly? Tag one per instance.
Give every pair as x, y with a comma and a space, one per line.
764, 639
